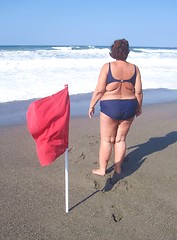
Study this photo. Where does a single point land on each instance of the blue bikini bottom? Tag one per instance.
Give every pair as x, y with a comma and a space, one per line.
119, 109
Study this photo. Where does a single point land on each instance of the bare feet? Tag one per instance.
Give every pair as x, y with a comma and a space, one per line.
117, 169
98, 172
118, 172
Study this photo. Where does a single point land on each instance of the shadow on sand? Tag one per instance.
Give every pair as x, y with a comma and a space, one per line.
136, 157
134, 160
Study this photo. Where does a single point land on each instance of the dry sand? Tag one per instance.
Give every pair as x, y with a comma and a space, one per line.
142, 205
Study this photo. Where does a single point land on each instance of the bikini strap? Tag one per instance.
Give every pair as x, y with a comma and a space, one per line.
109, 68
134, 75
135, 68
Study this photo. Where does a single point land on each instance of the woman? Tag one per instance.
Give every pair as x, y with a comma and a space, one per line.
119, 90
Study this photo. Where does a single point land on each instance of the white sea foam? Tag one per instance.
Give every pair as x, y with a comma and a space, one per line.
35, 72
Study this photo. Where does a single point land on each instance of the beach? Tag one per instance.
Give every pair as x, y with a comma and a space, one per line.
142, 205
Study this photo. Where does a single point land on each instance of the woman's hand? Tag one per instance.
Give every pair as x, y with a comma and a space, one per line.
91, 112
138, 112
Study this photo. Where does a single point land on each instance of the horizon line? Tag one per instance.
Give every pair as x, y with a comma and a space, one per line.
70, 45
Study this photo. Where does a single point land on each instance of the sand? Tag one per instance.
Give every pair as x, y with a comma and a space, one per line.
140, 205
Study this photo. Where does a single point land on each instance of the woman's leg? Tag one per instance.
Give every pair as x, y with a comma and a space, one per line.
120, 143
108, 131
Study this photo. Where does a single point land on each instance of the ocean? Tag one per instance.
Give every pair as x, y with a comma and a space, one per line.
32, 72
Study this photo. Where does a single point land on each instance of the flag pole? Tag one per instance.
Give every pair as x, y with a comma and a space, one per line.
66, 176
66, 182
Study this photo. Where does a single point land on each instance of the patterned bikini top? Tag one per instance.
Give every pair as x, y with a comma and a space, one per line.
111, 79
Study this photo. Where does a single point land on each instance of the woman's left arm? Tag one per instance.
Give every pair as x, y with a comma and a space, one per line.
139, 92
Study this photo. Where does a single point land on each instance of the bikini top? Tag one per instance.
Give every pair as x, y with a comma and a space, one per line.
111, 79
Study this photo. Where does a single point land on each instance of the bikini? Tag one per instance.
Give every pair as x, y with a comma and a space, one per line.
119, 109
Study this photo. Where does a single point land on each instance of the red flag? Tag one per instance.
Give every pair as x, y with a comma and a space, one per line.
48, 123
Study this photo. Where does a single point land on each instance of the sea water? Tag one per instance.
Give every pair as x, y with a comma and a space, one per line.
28, 72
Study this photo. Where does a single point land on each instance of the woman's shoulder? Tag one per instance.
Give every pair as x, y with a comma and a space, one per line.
133, 64
105, 67
106, 64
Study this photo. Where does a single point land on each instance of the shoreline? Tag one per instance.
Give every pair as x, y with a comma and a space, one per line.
14, 113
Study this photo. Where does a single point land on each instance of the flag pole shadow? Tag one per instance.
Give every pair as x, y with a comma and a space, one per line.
85, 199
91, 195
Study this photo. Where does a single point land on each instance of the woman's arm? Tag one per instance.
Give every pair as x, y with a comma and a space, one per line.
138, 92
99, 90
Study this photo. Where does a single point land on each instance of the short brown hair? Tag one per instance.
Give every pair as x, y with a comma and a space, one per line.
120, 49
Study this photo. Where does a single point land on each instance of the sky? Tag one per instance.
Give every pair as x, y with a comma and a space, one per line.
150, 23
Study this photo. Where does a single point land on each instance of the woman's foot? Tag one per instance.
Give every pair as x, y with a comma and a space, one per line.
117, 169
98, 172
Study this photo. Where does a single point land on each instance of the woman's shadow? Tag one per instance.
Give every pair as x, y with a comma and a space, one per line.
136, 158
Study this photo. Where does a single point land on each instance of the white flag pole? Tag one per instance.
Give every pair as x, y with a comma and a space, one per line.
66, 182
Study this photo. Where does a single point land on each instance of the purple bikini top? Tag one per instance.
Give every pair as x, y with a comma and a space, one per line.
111, 79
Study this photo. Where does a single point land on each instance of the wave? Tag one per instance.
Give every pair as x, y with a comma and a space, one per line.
62, 48
35, 72
152, 50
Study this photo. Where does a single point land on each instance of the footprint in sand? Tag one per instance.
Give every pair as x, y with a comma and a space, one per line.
82, 155
124, 184
93, 143
116, 181
116, 218
96, 185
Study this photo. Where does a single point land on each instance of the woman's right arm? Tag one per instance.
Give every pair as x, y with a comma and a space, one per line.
138, 92
99, 90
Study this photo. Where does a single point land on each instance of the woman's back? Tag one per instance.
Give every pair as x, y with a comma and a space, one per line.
121, 78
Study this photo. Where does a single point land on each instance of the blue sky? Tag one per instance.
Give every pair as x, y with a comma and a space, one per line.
88, 22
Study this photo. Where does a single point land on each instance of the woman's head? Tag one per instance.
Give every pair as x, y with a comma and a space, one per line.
120, 49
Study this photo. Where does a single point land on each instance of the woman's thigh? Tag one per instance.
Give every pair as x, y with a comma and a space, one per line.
123, 129
108, 128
